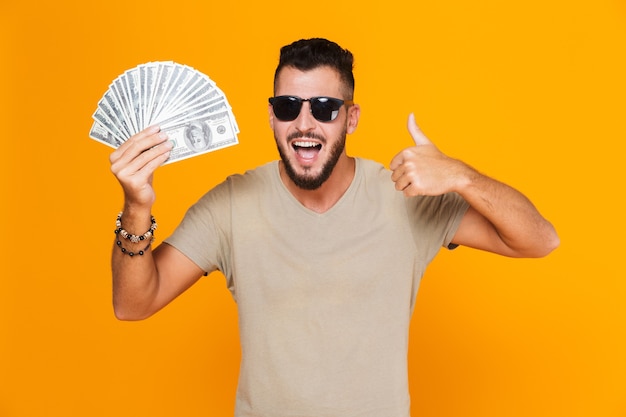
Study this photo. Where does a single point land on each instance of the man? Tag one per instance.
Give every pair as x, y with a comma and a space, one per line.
322, 252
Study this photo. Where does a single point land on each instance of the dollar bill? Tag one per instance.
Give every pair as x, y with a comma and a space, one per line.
102, 134
213, 132
183, 101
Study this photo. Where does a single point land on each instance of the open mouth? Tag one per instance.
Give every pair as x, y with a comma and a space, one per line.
306, 149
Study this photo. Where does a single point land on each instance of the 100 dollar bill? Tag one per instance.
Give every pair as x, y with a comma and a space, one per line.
200, 136
191, 138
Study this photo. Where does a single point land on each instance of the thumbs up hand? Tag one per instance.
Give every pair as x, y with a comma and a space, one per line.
423, 169
418, 136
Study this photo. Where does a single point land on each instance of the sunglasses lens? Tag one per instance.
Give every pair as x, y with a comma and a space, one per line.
325, 109
286, 108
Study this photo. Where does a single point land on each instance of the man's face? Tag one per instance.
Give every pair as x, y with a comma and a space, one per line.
310, 149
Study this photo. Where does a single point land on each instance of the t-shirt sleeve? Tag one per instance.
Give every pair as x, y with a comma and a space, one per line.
435, 220
203, 234
456, 206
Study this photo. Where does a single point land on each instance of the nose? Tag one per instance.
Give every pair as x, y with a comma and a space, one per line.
305, 120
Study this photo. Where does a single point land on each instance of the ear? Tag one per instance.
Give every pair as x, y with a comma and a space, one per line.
271, 115
354, 113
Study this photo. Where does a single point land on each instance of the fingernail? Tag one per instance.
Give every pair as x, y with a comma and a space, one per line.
163, 135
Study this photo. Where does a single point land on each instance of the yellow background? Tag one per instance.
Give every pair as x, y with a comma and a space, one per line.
532, 93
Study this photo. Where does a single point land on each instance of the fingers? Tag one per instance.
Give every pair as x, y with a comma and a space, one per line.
418, 136
141, 149
406, 166
134, 163
396, 162
405, 176
400, 180
133, 141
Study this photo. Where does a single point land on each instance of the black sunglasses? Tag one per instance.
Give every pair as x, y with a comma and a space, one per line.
324, 109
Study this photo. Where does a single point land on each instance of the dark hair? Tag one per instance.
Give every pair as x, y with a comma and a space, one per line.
308, 54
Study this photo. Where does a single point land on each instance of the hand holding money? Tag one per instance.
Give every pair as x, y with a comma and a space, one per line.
134, 162
186, 105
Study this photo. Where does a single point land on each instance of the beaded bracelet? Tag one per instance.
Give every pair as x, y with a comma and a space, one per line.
131, 254
134, 238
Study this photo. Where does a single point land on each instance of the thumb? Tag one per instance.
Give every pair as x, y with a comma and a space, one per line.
416, 133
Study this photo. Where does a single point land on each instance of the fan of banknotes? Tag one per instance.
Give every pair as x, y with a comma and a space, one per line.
184, 102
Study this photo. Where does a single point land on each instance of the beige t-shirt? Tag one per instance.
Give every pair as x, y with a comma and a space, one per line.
324, 300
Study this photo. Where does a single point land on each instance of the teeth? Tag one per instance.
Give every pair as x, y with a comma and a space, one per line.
302, 144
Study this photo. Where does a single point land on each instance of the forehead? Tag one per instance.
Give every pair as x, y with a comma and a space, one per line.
321, 81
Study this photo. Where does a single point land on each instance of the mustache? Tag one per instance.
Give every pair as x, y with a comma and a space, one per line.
307, 135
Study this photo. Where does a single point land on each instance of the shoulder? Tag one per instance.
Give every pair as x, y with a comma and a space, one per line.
373, 175
263, 174
373, 172
249, 185
250, 179
372, 168
250, 182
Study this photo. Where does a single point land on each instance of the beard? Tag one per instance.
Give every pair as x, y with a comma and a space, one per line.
308, 181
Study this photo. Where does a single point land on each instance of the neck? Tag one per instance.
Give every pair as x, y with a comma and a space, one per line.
326, 196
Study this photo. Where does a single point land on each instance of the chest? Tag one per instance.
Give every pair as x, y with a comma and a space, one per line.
357, 250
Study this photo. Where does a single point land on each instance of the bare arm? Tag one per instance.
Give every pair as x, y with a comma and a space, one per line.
500, 219
143, 284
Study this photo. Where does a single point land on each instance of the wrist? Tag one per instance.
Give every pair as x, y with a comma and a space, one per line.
130, 243
140, 201
136, 210
134, 238
466, 178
